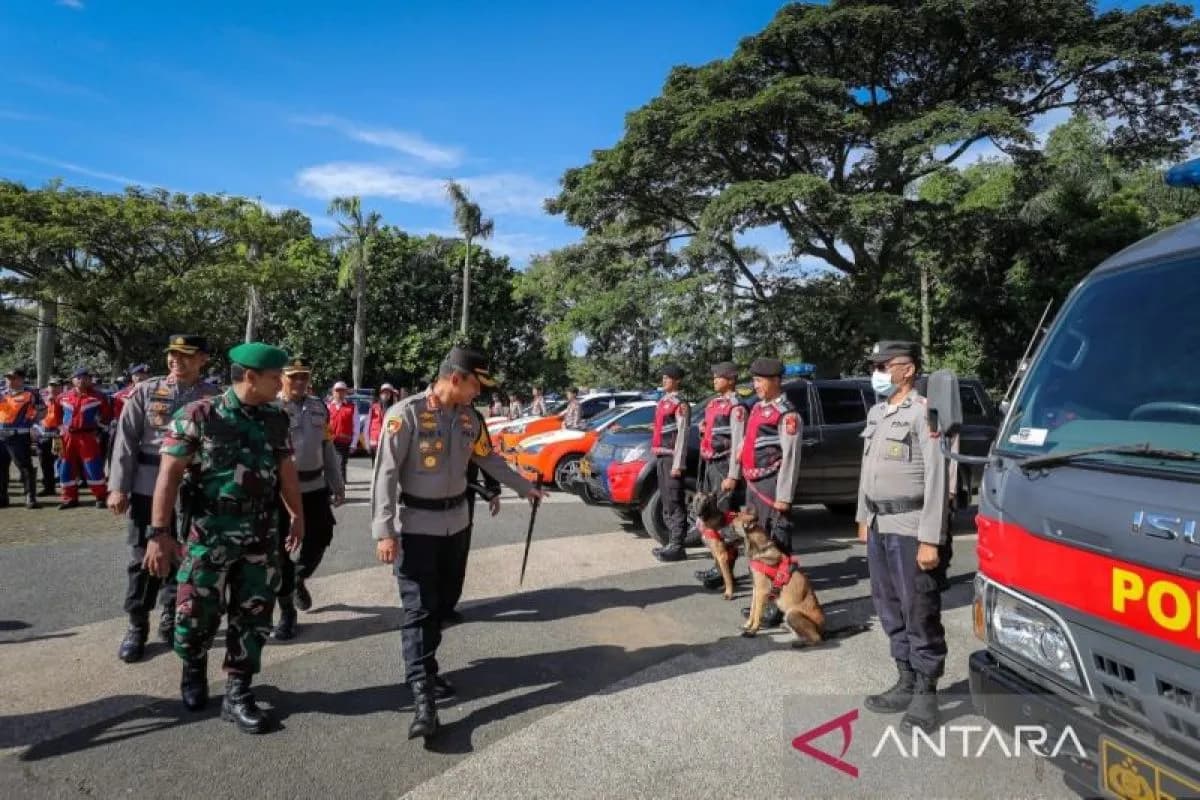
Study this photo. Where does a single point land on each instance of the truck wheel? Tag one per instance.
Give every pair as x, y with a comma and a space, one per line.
566, 471
842, 509
656, 526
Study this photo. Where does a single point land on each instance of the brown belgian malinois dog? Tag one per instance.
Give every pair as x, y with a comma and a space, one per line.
709, 514
802, 612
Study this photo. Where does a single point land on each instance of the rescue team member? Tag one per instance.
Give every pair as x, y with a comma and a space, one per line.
321, 487
902, 518
769, 460
668, 443
18, 410
50, 439
138, 373
387, 396
85, 411
421, 480
341, 422
234, 448
721, 434
137, 440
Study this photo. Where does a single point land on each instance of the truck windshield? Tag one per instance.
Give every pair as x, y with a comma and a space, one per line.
1116, 379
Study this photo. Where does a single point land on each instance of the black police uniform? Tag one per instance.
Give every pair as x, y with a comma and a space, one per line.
672, 419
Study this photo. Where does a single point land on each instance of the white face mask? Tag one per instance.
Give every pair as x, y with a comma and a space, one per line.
881, 382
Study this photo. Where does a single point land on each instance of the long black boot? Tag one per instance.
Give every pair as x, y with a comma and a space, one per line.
239, 706
133, 646
193, 686
425, 718
772, 616
286, 627
898, 697
923, 710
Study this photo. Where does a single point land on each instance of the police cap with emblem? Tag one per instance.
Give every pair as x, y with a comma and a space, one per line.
187, 344
472, 361
766, 368
725, 369
673, 371
134, 369
885, 351
258, 356
298, 366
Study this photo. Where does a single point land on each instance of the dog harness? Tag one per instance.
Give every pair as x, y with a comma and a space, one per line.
779, 574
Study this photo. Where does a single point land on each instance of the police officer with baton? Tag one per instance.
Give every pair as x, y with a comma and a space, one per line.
419, 510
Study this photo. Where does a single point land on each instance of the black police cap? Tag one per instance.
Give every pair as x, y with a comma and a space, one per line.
725, 369
886, 350
470, 360
187, 344
15, 373
766, 368
673, 371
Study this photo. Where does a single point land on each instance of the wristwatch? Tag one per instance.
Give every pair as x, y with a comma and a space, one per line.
154, 532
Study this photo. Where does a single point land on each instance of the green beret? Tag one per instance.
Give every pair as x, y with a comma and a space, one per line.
256, 355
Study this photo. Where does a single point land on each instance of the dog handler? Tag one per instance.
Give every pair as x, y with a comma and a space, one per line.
902, 518
421, 480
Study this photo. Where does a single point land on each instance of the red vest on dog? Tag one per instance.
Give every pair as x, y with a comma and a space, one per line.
779, 574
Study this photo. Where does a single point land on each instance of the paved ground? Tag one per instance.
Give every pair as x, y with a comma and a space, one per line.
606, 675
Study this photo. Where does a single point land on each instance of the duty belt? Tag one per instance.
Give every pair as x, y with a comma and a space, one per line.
895, 506
433, 504
149, 459
310, 474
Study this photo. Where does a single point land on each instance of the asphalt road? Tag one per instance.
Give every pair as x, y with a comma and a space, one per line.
606, 675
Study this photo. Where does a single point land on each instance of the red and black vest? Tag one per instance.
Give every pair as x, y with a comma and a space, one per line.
761, 451
718, 429
666, 430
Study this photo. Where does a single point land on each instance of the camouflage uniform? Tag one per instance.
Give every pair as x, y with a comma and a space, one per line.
230, 548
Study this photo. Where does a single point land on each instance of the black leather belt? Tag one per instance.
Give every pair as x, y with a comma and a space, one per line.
895, 506
310, 474
433, 504
149, 459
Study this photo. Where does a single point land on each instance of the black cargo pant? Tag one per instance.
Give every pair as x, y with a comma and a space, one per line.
143, 588
760, 496
17, 448
318, 533
48, 463
343, 451
426, 567
674, 493
908, 600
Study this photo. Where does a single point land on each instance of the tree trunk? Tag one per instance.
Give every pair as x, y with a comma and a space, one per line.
925, 313
466, 299
46, 339
360, 319
251, 313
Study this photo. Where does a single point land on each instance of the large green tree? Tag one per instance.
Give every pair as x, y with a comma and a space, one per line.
357, 230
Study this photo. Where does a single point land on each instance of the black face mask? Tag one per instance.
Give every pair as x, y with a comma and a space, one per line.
388, 401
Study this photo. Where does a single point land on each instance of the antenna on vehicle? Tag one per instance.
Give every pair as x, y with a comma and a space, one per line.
1024, 363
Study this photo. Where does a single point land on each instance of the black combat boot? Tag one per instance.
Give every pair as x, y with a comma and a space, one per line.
29, 480
710, 578
239, 706
166, 625
133, 646
425, 718
672, 552
923, 710
899, 696
303, 598
772, 616
286, 627
442, 688
193, 687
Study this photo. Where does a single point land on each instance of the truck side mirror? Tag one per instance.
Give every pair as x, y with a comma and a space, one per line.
945, 413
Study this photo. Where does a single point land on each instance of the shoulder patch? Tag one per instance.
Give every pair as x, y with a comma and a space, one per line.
791, 424
394, 424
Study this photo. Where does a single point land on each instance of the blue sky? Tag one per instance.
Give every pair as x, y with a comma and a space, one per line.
296, 102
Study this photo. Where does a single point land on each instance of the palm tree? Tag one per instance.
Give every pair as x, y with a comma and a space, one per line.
471, 224
355, 233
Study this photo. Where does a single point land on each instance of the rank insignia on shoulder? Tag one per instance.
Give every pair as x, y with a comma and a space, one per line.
393, 425
162, 391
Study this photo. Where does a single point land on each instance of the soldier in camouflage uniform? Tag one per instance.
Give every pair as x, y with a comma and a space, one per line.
321, 487
145, 412
234, 448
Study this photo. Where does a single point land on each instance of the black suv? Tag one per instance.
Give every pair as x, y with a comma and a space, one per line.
619, 470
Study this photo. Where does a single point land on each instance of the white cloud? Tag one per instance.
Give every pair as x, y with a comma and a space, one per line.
410, 144
499, 192
75, 4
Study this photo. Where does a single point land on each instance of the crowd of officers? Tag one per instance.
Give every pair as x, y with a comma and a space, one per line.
230, 496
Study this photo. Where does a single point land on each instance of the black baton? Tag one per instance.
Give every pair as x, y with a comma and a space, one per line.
529, 533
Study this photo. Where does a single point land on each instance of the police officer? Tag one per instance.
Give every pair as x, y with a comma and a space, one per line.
489, 489
668, 443
720, 435
421, 480
234, 448
145, 413
321, 486
902, 518
19, 407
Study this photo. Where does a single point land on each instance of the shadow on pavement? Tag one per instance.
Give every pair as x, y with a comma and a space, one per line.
13, 625
38, 638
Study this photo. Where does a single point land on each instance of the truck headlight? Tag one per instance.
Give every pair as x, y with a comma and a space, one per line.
1032, 635
532, 449
636, 453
